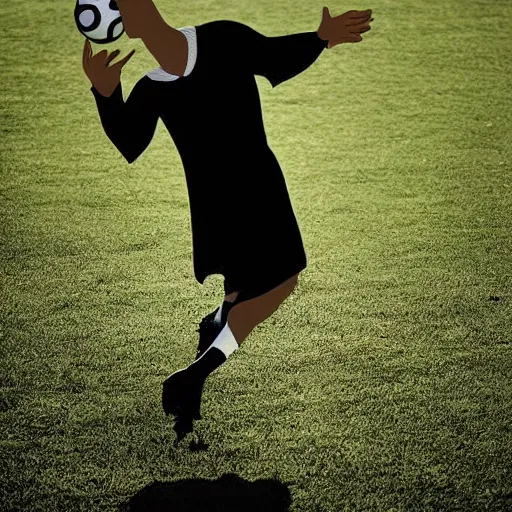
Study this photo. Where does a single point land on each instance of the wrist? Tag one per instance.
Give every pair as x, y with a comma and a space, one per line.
322, 38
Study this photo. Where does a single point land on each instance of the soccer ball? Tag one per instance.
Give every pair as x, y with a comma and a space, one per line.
99, 20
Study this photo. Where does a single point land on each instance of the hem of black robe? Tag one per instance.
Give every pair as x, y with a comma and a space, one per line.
260, 281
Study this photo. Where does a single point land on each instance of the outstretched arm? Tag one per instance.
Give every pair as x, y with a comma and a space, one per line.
280, 58
276, 58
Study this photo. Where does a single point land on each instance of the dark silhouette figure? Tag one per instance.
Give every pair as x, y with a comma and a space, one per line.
243, 223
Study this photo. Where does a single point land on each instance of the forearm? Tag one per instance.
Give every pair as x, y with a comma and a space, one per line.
116, 123
278, 58
304, 47
295, 53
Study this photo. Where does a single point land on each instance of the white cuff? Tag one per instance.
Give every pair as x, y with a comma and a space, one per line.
190, 34
159, 75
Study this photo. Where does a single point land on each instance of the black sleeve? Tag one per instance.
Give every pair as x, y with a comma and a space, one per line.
130, 126
276, 58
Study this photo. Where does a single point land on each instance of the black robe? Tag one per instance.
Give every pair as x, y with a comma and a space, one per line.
243, 224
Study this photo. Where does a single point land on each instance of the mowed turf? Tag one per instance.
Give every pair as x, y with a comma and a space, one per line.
383, 383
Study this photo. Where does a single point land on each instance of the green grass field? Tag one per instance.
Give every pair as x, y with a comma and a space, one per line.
384, 383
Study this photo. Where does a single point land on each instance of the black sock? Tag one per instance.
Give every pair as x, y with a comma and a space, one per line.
207, 363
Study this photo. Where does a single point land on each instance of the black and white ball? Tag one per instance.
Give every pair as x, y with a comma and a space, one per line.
99, 20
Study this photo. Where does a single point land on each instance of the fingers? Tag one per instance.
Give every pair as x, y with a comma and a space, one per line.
359, 14
360, 25
357, 18
358, 21
352, 20
124, 60
353, 39
360, 29
111, 57
87, 53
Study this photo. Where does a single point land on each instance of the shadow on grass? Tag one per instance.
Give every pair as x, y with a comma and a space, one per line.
227, 493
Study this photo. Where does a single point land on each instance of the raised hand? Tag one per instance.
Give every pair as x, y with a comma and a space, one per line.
105, 78
345, 28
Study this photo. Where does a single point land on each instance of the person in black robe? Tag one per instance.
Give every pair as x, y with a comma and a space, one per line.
214, 116
243, 224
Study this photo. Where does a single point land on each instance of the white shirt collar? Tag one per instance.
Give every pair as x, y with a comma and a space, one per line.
160, 75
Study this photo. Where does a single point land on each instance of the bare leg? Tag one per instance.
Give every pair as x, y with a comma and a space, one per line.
244, 317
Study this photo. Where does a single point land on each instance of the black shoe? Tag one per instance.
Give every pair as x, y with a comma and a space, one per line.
181, 395
209, 330
182, 427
